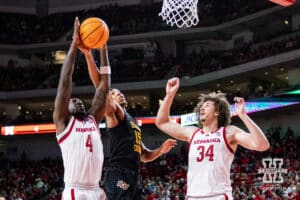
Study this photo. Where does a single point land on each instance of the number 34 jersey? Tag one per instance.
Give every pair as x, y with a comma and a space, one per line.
82, 152
210, 159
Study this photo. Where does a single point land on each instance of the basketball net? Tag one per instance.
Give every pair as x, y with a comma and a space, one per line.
182, 13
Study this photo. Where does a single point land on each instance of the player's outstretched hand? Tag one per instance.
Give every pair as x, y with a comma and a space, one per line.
75, 37
172, 86
85, 50
168, 145
239, 106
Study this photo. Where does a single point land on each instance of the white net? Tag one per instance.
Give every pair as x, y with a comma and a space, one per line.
182, 13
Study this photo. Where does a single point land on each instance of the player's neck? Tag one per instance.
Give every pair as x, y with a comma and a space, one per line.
80, 116
210, 126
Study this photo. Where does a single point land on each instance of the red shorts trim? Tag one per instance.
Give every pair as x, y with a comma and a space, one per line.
72, 194
226, 196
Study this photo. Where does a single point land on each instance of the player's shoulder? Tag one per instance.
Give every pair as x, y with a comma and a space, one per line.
90, 117
193, 128
63, 124
191, 131
231, 129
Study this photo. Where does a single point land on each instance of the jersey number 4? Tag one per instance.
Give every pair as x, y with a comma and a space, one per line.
209, 153
88, 143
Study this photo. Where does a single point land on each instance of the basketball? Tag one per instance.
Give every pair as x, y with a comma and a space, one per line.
94, 32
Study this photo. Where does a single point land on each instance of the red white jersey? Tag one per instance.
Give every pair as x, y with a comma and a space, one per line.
82, 153
210, 159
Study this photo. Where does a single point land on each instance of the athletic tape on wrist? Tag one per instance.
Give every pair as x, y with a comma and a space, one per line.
105, 70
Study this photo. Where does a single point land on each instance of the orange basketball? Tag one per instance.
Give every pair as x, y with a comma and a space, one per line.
94, 32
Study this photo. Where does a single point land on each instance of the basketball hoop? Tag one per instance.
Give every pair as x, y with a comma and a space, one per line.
182, 13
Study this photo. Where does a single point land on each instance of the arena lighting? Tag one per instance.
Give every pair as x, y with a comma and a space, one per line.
189, 119
50, 128
293, 92
251, 107
59, 56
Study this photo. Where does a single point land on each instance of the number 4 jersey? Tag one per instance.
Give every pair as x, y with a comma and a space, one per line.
82, 153
210, 159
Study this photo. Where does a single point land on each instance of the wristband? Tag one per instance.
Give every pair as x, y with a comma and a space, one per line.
105, 70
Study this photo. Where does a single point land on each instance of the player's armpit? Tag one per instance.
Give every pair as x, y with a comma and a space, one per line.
247, 140
111, 120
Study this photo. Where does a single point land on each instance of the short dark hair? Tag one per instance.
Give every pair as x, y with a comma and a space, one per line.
221, 104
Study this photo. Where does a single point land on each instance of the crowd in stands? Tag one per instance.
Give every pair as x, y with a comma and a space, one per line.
203, 62
28, 29
256, 89
165, 178
15, 77
30, 180
18, 77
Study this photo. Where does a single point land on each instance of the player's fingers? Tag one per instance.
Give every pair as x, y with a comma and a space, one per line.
173, 80
76, 22
176, 81
238, 99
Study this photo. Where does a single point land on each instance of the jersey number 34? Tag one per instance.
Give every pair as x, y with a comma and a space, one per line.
208, 152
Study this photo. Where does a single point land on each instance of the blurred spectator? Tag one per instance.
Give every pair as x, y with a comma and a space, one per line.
43, 179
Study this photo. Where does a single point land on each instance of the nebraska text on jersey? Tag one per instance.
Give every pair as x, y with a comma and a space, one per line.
88, 129
212, 140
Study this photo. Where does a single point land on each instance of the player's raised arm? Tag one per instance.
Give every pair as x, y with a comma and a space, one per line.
162, 120
113, 110
61, 113
256, 139
150, 155
92, 67
99, 102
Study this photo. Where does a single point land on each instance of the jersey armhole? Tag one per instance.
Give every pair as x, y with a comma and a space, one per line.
194, 133
226, 142
93, 119
63, 136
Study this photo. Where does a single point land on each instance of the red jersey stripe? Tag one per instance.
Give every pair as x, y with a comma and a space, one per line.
68, 133
226, 142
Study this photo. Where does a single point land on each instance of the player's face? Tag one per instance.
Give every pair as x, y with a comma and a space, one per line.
119, 97
207, 112
76, 107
